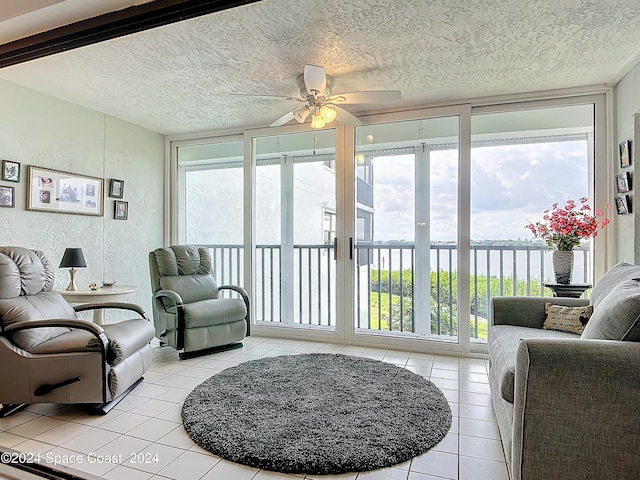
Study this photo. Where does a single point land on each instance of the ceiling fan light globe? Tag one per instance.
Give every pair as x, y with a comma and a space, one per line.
328, 114
301, 114
317, 121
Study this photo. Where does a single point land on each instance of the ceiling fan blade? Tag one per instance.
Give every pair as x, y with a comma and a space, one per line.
315, 79
268, 97
286, 118
347, 118
375, 96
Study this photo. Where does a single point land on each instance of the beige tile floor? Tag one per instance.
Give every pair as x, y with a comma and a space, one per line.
143, 438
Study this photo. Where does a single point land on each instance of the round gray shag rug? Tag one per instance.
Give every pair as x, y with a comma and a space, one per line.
316, 413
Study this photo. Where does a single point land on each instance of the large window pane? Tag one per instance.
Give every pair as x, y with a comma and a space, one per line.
406, 226
522, 162
295, 209
212, 206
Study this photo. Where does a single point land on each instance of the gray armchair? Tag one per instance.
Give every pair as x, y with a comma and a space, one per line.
49, 355
188, 312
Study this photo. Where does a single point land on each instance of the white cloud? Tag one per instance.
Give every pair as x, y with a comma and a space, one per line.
511, 185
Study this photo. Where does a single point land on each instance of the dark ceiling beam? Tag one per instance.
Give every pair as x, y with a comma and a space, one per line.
110, 25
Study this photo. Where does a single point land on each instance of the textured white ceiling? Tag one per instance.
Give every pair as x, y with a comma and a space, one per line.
178, 78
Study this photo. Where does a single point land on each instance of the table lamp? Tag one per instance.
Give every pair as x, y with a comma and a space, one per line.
72, 259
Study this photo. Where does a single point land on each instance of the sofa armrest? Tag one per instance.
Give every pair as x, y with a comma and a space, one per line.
575, 412
526, 311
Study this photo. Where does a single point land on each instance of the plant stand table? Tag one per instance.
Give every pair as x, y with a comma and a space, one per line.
105, 294
572, 290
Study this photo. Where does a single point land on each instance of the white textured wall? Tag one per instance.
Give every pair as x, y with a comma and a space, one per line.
40, 130
628, 104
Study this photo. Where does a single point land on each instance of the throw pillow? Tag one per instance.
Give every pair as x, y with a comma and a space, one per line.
617, 316
616, 274
566, 319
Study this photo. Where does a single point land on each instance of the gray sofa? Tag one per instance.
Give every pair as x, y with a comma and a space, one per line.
568, 405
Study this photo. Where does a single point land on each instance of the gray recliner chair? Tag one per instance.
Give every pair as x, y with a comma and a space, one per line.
188, 312
49, 355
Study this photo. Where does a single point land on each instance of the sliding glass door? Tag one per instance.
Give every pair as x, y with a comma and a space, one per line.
295, 229
406, 256
398, 231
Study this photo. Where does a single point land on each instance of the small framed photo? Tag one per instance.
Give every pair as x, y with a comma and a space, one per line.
623, 182
623, 205
10, 171
625, 153
121, 210
116, 188
7, 197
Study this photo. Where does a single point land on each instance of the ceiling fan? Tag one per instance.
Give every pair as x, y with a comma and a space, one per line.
319, 102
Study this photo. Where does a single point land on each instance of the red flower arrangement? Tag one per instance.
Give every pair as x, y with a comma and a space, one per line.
564, 228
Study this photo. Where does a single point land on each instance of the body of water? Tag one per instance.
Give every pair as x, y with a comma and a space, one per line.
523, 264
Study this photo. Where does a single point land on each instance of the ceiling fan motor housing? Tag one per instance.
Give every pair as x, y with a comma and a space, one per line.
306, 95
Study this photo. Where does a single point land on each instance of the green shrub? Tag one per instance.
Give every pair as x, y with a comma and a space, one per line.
443, 304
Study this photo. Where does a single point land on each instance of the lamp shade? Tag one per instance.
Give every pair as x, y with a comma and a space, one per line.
73, 258
328, 114
317, 121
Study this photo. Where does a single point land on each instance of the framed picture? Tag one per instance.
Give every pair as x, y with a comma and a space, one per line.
116, 188
7, 197
623, 182
10, 171
64, 192
121, 210
623, 206
625, 153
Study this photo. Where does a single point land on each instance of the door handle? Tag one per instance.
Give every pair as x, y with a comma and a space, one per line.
350, 248
335, 248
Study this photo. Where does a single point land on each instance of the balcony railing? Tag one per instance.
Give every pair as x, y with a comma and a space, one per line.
386, 276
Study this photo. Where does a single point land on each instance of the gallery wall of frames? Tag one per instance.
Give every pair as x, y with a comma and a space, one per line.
624, 184
56, 191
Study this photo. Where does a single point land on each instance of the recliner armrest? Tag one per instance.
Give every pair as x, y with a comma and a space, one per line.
177, 299
114, 305
243, 293
55, 322
526, 311
575, 412
96, 330
245, 297
127, 337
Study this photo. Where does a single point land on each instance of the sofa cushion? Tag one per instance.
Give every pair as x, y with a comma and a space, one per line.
503, 346
617, 316
566, 319
616, 274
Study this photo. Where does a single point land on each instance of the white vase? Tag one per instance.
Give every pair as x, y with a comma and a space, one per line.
563, 265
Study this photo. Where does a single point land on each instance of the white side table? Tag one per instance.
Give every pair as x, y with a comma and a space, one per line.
120, 293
